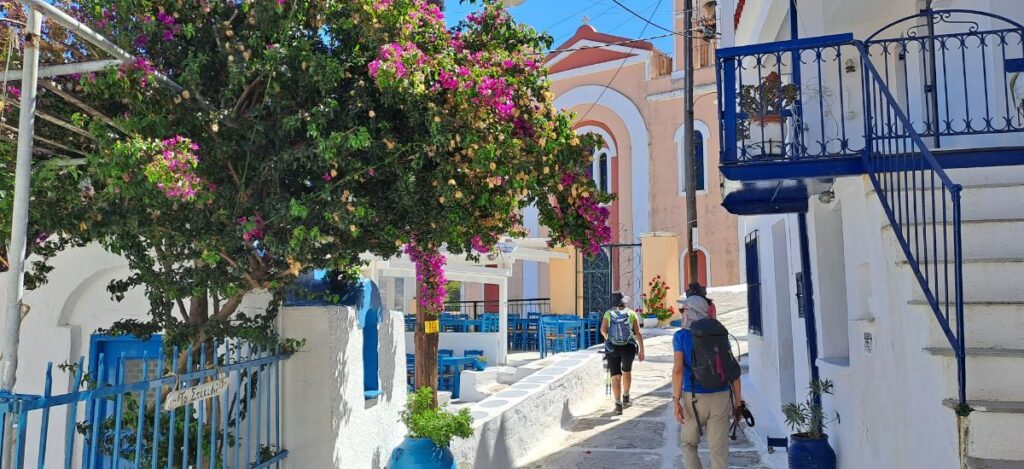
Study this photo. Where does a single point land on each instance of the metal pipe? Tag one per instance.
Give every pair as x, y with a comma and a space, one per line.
19, 225
810, 324
94, 38
65, 69
16, 250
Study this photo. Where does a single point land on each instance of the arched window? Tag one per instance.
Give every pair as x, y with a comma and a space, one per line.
700, 153
601, 170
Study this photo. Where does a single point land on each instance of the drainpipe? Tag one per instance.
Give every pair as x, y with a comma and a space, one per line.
810, 325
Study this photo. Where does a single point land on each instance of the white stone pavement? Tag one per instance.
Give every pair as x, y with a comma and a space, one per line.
647, 435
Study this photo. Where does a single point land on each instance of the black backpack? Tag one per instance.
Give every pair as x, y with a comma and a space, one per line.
714, 366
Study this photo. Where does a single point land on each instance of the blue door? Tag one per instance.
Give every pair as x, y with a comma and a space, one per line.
121, 363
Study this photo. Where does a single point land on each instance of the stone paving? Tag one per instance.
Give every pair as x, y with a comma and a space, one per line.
646, 436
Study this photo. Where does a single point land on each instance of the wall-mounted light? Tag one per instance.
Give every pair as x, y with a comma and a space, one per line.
850, 66
827, 197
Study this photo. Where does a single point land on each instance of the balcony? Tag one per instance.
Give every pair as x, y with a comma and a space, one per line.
806, 110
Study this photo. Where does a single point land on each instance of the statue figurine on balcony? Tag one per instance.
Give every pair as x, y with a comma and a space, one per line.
764, 105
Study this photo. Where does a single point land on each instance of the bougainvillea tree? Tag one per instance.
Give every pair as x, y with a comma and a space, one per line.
308, 132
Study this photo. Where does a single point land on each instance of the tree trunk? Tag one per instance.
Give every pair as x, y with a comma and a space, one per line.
426, 352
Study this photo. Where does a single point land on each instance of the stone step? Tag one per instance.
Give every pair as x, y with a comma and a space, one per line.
993, 374
990, 280
986, 324
991, 443
987, 176
978, 463
980, 202
982, 239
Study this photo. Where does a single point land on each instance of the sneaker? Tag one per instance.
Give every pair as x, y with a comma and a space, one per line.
618, 409
625, 402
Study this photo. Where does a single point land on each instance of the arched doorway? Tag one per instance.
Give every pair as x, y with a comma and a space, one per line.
702, 269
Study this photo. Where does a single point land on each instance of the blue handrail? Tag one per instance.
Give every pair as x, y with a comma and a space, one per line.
915, 192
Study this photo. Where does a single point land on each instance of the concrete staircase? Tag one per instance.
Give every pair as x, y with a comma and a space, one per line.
993, 270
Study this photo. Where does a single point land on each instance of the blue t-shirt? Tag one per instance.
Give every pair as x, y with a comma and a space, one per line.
683, 342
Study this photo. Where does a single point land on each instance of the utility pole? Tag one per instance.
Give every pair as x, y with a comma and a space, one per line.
690, 160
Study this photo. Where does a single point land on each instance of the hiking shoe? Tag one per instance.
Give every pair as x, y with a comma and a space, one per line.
618, 409
625, 402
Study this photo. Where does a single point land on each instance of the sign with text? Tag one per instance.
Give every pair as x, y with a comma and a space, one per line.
431, 327
193, 394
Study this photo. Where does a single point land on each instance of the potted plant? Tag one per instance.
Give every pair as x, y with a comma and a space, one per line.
808, 445
763, 104
654, 302
431, 430
480, 364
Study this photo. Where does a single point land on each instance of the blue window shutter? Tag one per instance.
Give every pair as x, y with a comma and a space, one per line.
698, 153
753, 285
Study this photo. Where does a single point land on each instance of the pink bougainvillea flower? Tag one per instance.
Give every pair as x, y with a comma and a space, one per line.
14, 91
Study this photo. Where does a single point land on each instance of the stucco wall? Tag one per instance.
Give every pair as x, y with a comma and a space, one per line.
890, 396
459, 342
328, 423
511, 423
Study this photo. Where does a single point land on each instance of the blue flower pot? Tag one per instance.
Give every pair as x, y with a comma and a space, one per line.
479, 365
421, 453
811, 453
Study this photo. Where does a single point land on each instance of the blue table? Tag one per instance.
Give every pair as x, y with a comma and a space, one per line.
464, 325
456, 364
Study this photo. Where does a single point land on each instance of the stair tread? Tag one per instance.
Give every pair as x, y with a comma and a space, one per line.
979, 463
949, 221
972, 260
978, 352
981, 405
1017, 303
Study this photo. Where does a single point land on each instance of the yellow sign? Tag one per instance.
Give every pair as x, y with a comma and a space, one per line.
431, 327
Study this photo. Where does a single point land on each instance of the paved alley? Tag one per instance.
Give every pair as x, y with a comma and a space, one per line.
646, 436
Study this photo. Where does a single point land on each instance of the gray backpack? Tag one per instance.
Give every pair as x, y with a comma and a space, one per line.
620, 328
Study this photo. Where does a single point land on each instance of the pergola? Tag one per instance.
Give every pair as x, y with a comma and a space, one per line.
27, 142
493, 269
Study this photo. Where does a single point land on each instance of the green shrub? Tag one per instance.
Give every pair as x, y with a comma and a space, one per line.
424, 419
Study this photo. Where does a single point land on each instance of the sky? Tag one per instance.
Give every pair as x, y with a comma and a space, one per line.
561, 18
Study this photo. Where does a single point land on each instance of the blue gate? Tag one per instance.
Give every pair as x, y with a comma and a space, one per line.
212, 406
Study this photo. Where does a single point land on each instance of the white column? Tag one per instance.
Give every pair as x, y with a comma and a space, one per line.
503, 321
19, 218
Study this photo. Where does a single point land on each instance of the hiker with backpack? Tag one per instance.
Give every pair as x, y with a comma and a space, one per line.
696, 289
705, 383
623, 341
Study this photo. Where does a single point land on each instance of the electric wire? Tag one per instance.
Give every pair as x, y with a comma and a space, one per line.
619, 69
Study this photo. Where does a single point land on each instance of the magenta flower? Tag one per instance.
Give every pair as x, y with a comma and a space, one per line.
14, 91
140, 41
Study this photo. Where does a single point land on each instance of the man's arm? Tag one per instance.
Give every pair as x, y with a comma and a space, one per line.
604, 327
639, 338
678, 366
737, 393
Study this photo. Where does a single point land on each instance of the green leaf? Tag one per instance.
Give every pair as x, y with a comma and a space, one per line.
297, 210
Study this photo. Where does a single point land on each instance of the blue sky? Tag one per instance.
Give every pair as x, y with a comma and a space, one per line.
561, 18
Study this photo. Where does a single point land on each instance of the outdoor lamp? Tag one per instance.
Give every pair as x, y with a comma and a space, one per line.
827, 197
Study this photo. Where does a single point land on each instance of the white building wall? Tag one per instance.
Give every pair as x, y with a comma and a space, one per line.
329, 423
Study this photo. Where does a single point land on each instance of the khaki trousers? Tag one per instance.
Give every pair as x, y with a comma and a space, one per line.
714, 410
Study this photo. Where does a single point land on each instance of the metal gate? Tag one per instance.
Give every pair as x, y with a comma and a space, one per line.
616, 267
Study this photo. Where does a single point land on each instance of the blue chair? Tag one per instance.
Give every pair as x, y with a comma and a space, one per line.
410, 370
490, 322
552, 340
471, 353
445, 352
445, 377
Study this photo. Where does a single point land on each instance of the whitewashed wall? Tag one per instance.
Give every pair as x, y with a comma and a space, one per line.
328, 423
889, 397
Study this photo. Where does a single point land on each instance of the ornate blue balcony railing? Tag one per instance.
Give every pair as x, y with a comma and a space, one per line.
956, 74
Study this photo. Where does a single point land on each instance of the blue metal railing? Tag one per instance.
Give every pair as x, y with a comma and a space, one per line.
922, 205
126, 424
955, 74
